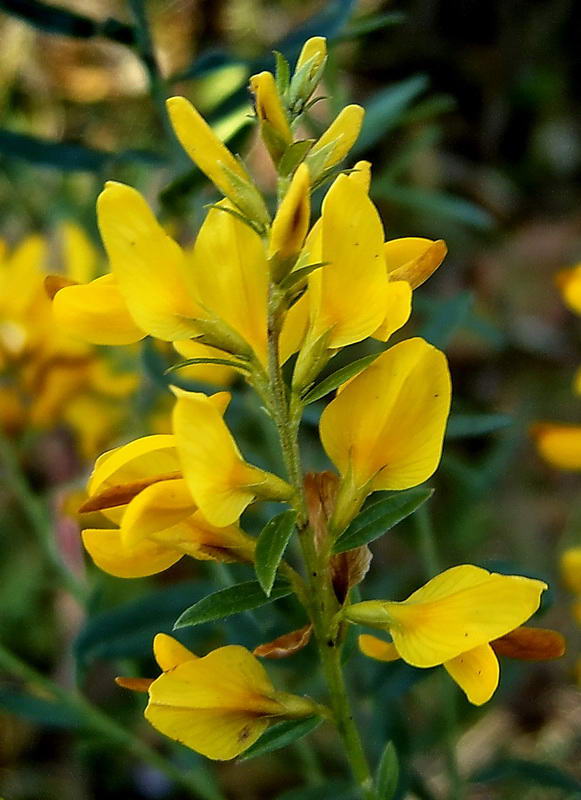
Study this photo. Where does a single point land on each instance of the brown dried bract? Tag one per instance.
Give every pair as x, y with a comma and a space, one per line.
530, 644
321, 492
348, 570
286, 645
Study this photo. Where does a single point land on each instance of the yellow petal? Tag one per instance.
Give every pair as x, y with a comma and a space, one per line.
343, 131
22, 277
139, 459
109, 554
462, 608
361, 175
237, 291
215, 374
569, 282
315, 48
268, 104
290, 225
559, 444
219, 479
413, 259
203, 146
571, 569
397, 310
376, 648
476, 672
157, 507
387, 425
79, 255
169, 653
294, 328
349, 293
96, 312
148, 265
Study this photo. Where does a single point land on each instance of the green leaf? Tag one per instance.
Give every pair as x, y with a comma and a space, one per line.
232, 600
439, 204
448, 318
339, 377
387, 773
48, 713
534, 772
190, 362
68, 157
281, 735
464, 426
270, 547
294, 155
384, 110
55, 19
282, 73
364, 25
298, 275
378, 518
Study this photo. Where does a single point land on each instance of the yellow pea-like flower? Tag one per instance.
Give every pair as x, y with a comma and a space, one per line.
571, 569
452, 620
337, 140
385, 428
413, 259
219, 705
221, 482
269, 108
559, 444
291, 223
315, 51
569, 283
148, 266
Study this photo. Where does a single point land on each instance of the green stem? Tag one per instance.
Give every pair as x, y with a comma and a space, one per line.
38, 518
321, 602
426, 541
98, 722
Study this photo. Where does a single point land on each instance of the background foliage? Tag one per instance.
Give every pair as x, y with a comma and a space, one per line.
472, 125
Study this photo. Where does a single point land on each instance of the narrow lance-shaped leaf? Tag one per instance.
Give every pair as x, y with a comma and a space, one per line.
333, 381
387, 773
226, 602
463, 426
378, 518
281, 735
270, 547
54, 19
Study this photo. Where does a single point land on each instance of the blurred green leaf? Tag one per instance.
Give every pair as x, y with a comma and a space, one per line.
387, 773
282, 73
55, 19
281, 735
232, 600
463, 426
427, 109
42, 712
446, 318
128, 630
339, 377
441, 204
270, 548
383, 112
530, 772
378, 518
376, 22
68, 157
337, 790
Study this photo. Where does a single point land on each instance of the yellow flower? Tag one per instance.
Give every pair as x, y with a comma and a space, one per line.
559, 444
413, 259
291, 222
569, 283
451, 620
571, 569
215, 160
140, 488
274, 123
385, 428
477, 671
221, 482
334, 144
314, 53
218, 705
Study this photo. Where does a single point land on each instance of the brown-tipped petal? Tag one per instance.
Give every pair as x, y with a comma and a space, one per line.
348, 570
321, 492
54, 283
530, 644
286, 645
120, 495
134, 684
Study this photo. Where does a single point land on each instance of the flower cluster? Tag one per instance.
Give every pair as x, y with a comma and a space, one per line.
260, 288
47, 377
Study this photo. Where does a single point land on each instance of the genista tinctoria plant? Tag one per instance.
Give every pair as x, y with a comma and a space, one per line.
256, 290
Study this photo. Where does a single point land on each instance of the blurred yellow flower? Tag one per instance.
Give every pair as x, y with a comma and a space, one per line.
451, 620
559, 444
